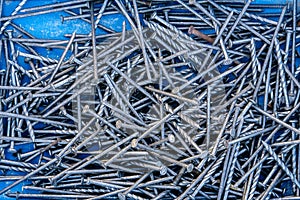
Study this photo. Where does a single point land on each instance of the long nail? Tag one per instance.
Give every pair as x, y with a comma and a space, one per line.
193, 31
62, 57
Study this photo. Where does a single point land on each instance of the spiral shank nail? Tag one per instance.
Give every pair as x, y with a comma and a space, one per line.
294, 163
279, 58
98, 164
20, 164
209, 174
186, 72
105, 97
159, 30
170, 37
38, 57
18, 8
183, 133
281, 164
128, 4
17, 169
115, 93
230, 175
29, 165
178, 32
257, 28
188, 120
262, 28
49, 60
281, 71
88, 190
285, 58
46, 69
33, 104
255, 182
176, 38
253, 60
73, 132
30, 130
66, 131
133, 196
164, 33
28, 123
283, 136
256, 17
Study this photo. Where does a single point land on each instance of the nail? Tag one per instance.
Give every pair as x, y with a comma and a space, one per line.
188, 167
181, 140
187, 138
93, 27
194, 102
132, 82
250, 15
100, 13
42, 12
123, 35
269, 52
249, 172
238, 20
293, 63
119, 95
210, 170
281, 164
194, 12
282, 75
271, 186
207, 38
62, 57
202, 9
120, 124
227, 60
47, 196
125, 193
194, 183
170, 26
276, 120
166, 13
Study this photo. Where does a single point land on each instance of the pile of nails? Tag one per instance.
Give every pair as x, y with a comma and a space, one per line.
190, 100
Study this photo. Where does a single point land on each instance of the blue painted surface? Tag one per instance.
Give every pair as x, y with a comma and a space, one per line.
50, 26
